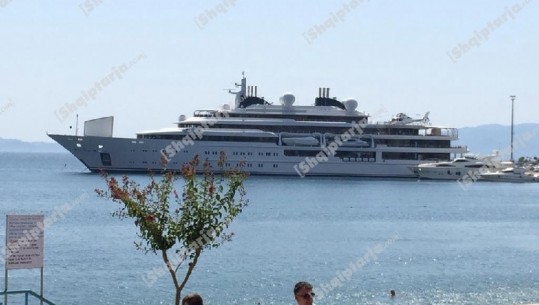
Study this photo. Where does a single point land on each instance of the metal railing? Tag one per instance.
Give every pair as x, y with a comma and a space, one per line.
26, 293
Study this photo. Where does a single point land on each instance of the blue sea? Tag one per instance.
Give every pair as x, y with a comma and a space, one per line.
353, 239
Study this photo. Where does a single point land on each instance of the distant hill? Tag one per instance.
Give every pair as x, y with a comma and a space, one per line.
485, 138
12, 145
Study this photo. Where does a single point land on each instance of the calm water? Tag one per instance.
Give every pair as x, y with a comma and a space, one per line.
450, 246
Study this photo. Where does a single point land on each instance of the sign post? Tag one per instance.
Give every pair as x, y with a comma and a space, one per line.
24, 245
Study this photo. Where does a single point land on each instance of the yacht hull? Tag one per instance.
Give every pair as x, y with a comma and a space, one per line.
143, 155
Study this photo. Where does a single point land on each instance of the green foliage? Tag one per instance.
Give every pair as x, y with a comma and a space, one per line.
527, 161
194, 220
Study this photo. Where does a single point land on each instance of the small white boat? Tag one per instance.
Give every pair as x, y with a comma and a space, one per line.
456, 169
511, 174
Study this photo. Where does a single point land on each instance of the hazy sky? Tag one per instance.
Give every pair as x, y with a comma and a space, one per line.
147, 62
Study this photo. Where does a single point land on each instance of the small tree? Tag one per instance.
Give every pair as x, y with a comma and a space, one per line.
206, 207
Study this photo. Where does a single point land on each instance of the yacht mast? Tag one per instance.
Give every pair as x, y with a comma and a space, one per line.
241, 93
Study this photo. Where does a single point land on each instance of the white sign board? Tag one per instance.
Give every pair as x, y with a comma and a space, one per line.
24, 241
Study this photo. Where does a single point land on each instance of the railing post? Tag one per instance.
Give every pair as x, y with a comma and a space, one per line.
26, 298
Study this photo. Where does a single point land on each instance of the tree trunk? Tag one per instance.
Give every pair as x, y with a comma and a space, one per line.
192, 265
174, 279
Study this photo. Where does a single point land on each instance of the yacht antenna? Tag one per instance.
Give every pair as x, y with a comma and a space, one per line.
512, 117
241, 93
77, 126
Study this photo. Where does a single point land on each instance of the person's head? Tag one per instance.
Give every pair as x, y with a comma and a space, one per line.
192, 299
303, 292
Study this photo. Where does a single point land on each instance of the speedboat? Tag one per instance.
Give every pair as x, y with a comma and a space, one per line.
511, 174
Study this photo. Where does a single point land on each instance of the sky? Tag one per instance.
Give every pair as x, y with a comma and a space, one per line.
148, 62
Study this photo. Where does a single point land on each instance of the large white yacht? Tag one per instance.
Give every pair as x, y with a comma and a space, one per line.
272, 139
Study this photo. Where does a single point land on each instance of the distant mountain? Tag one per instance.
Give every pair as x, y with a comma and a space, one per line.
11, 145
485, 138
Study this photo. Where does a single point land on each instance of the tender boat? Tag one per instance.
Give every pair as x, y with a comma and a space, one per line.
300, 141
356, 142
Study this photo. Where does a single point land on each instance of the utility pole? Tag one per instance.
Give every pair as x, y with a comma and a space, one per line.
512, 122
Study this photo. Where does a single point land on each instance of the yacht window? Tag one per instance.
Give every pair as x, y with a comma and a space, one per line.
475, 166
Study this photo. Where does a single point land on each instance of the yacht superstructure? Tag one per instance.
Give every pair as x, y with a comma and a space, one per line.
272, 139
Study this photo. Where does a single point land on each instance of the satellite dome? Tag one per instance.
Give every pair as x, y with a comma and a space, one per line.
350, 104
287, 99
226, 107
181, 118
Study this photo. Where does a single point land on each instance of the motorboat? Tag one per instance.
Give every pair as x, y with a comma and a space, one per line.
468, 165
511, 174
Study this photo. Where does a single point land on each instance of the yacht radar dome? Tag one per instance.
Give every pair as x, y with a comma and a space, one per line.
226, 107
287, 99
181, 118
350, 104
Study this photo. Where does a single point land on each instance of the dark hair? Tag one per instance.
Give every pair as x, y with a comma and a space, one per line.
192, 299
300, 285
